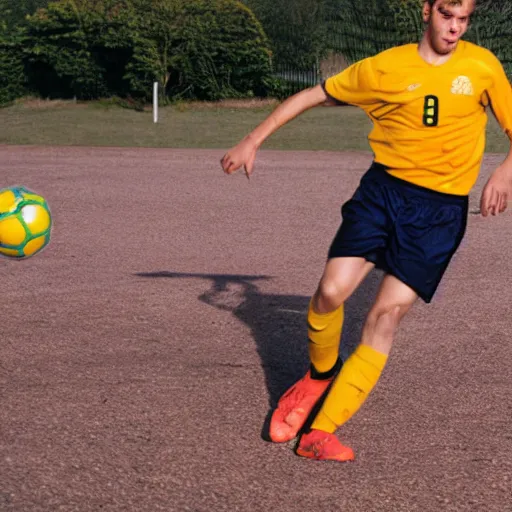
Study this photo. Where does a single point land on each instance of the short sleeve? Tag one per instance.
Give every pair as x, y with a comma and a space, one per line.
500, 95
356, 85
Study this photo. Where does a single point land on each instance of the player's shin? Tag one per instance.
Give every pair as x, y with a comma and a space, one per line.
357, 378
324, 332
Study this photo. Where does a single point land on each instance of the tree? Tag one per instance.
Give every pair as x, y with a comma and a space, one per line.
14, 12
79, 52
296, 29
220, 51
491, 27
205, 49
12, 72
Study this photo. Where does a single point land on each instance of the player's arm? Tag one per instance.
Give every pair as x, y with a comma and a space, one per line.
498, 189
244, 153
355, 85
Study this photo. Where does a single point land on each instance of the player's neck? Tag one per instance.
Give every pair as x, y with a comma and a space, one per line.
429, 55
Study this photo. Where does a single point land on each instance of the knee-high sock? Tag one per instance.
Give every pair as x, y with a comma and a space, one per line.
358, 376
324, 332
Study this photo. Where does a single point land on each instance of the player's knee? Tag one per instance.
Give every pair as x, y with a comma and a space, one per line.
329, 296
389, 316
381, 325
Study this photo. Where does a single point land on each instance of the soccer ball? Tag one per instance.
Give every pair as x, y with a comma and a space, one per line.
25, 223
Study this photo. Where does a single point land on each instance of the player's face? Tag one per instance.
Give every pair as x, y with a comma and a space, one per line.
447, 22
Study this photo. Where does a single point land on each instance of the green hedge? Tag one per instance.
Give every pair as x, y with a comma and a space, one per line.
81, 51
12, 73
217, 49
359, 29
197, 49
303, 32
492, 29
204, 49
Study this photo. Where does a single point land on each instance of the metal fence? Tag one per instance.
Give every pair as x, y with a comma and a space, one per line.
358, 29
294, 80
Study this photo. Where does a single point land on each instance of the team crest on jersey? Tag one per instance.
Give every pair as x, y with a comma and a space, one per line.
462, 85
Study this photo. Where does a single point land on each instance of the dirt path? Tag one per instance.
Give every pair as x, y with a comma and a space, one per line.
142, 349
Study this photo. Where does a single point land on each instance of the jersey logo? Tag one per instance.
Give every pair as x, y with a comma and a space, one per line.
462, 85
413, 87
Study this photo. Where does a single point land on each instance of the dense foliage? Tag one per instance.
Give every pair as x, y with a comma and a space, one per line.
12, 73
206, 49
296, 29
358, 29
492, 28
14, 12
218, 50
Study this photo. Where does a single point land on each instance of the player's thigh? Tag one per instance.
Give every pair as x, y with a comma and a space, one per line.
340, 279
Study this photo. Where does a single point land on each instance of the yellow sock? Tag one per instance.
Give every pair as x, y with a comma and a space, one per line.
324, 332
356, 379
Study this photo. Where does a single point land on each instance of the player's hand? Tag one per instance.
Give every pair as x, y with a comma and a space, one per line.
242, 155
496, 193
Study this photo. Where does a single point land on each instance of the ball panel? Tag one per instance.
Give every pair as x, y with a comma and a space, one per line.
7, 201
32, 197
9, 252
35, 245
36, 217
12, 231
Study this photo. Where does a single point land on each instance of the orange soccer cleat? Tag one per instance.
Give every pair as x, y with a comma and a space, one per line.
320, 445
295, 406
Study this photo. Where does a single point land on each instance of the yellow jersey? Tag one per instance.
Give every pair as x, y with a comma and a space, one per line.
428, 121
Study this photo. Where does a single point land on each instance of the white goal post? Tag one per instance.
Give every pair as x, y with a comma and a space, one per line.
155, 102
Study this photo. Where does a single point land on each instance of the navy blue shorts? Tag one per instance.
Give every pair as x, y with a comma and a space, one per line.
408, 231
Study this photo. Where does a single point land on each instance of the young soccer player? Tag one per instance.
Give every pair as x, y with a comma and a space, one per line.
428, 105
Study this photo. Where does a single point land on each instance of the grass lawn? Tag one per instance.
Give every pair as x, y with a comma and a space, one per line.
189, 126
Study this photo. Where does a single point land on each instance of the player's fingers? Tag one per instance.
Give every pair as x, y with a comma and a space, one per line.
249, 167
503, 202
484, 202
495, 202
224, 161
229, 166
492, 198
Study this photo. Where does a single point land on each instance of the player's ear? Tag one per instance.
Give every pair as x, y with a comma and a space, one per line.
427, 11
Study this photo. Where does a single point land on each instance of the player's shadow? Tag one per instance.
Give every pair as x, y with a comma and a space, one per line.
277, 322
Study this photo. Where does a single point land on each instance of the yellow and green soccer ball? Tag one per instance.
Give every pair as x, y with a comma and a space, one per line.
25, 223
